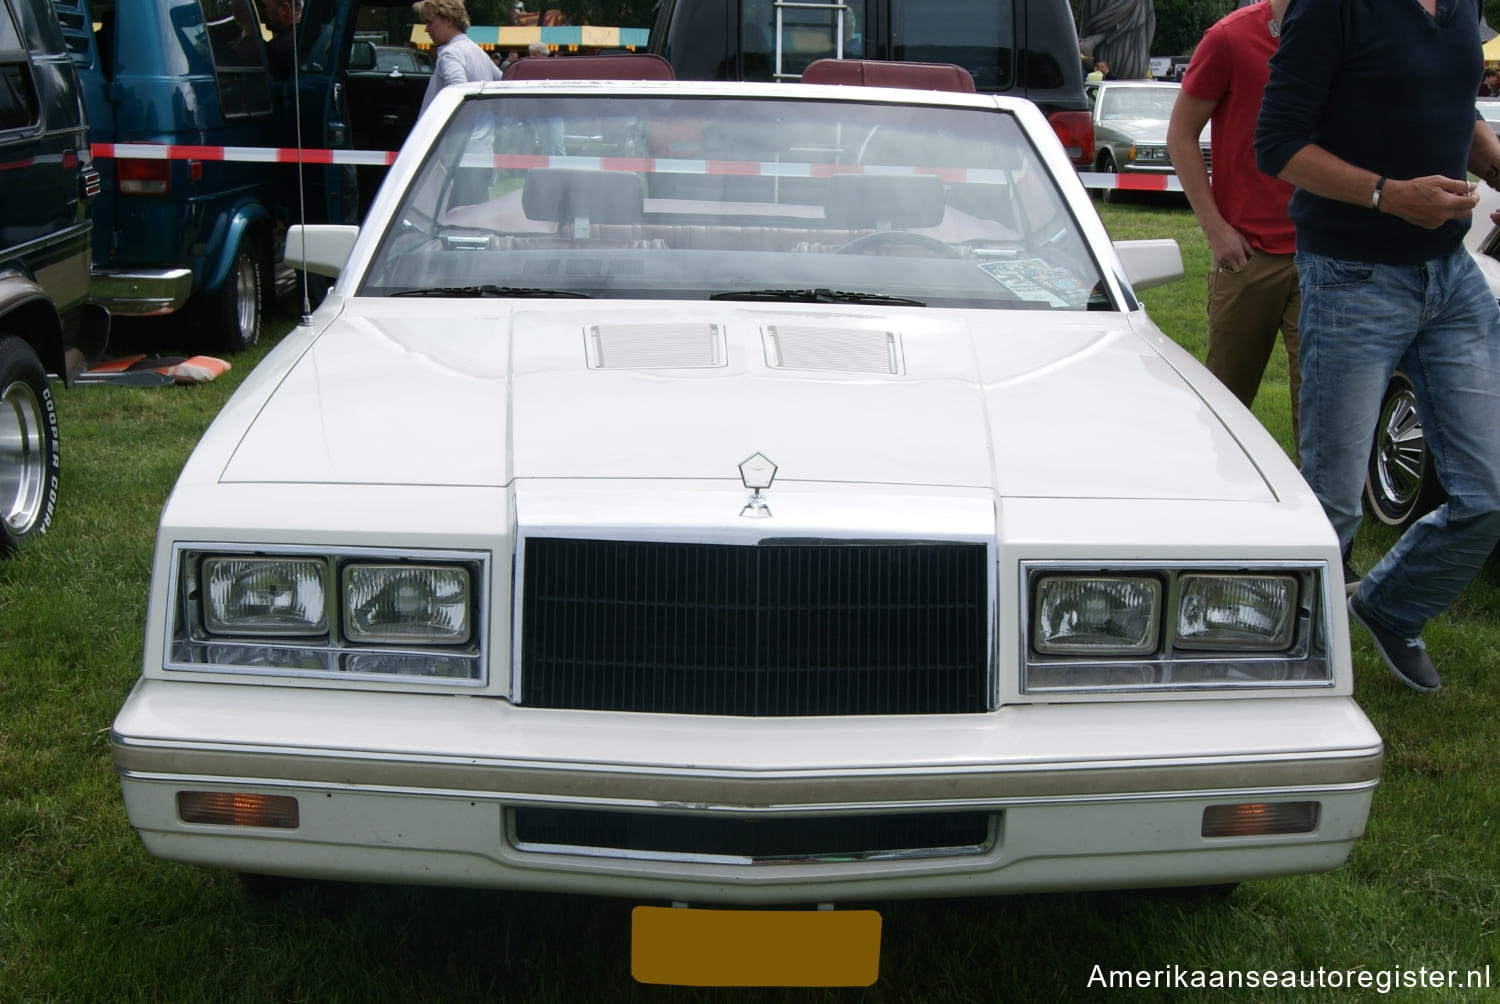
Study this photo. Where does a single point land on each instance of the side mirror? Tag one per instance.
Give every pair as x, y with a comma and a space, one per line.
319, 248
1150, 263
362, 55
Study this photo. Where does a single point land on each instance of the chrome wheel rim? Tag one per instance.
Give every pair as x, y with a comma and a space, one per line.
22, 458
1400, 451
245, 297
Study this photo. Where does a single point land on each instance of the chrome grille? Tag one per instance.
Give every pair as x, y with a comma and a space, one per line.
922, 834
779, 628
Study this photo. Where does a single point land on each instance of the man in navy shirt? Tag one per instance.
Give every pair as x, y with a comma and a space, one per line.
1369, 112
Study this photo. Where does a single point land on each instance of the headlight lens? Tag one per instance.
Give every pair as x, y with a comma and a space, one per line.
406, 603
1099, 616
1140, 626
378, 614
1249, 612
264, 596
1151, 154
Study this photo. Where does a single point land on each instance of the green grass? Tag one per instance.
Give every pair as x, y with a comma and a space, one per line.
86, 915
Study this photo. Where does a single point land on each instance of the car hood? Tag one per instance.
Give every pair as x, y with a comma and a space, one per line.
1140, 130
1150, 130
1027, 403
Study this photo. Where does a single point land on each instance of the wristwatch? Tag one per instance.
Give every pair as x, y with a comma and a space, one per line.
1375, 195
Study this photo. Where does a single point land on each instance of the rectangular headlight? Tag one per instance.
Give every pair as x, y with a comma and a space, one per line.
407, 603
1099, 615
1256, 613
264, 596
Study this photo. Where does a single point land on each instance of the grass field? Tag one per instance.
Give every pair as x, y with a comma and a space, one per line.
86, 915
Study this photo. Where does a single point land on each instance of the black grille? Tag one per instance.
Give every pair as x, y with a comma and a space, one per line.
761, 839
794, 628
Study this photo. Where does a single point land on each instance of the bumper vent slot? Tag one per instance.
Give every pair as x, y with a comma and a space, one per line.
785, 628
828, 838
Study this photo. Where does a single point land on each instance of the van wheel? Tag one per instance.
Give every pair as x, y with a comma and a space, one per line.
28, 445
229, 318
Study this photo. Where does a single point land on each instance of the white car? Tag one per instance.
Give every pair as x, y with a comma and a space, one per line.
781, 497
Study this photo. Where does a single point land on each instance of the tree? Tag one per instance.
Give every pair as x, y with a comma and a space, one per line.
1181, 23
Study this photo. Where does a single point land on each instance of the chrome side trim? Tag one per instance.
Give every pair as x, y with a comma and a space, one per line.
573, 784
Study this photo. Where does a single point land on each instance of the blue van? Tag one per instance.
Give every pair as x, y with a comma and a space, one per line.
200, 236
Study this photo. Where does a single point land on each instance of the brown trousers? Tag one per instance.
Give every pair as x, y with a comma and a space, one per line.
1245, 310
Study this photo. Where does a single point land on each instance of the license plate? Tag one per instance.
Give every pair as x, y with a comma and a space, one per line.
754, 948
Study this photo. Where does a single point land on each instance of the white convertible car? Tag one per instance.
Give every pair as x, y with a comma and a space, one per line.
780, 497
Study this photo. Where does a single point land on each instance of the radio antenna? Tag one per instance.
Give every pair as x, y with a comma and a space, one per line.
306, 319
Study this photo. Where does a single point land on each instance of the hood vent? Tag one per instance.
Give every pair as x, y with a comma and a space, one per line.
655, 346
848, 350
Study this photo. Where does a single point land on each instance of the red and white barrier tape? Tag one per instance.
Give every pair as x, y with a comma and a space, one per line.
1131, 182
242, 154
643, 165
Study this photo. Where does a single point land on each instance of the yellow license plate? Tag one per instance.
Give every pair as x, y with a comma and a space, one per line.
754, 948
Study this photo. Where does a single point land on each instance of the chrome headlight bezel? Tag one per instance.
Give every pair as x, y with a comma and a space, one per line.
449, 651
1269, 629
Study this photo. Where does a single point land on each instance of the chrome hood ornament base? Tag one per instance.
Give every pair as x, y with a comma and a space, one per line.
756, 473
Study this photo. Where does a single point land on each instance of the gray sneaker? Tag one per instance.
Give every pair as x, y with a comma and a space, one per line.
1407, 657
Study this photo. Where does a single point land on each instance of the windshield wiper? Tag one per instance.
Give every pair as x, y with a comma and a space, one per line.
819, 295
490, 290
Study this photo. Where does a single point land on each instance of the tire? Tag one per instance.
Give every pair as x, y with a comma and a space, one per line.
1400, 485
229, 318
29, 458
1107, 166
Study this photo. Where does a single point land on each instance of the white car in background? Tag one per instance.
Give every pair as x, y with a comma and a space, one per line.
779, 498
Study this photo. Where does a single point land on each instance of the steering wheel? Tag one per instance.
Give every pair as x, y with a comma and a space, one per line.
898, 238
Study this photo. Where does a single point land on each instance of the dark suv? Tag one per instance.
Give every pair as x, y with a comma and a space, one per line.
46, 322
1027, 48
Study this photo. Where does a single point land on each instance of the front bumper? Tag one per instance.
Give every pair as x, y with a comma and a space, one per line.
426, 788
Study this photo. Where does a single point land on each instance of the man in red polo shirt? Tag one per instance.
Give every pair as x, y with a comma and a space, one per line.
1252, 280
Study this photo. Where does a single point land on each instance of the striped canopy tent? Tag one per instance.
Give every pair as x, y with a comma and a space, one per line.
571, 36
1492, 51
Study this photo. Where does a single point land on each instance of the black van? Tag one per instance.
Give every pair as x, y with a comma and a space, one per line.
1027, 48
47, 325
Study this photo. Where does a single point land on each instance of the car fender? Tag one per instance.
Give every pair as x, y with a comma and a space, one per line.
238, 226
29, 313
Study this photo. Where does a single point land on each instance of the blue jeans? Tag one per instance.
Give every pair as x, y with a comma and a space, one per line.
1438, 323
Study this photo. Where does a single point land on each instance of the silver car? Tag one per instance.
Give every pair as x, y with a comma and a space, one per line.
1130, 128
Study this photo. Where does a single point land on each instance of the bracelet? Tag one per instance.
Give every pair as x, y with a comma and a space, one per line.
1375, 195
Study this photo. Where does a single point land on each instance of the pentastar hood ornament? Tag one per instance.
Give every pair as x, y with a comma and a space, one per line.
756, 473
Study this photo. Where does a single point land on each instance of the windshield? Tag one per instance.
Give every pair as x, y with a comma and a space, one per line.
1137, 102
735, 198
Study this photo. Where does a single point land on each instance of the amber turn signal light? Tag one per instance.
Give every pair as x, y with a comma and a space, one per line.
232, 808
1260, 819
